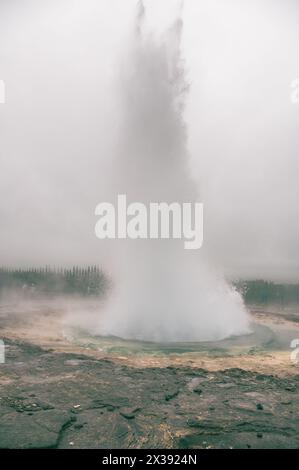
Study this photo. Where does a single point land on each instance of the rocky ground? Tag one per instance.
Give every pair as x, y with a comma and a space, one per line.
51, 399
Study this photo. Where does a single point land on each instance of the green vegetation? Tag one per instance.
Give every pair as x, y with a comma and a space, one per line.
85, 281
265, 292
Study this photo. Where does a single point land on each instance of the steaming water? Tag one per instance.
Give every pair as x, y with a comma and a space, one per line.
261, 338
161, 291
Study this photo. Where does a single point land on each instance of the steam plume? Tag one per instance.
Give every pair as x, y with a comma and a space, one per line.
162, 292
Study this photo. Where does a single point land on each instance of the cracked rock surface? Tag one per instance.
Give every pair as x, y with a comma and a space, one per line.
60, 400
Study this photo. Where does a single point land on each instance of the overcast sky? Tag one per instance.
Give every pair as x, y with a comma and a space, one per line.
61, 61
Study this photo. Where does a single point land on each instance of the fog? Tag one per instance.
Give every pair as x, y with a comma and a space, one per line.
63, 62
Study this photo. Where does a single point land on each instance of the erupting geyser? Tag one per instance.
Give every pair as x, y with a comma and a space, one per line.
161, 291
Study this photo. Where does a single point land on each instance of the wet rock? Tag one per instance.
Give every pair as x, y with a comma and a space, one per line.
166, 411
22, 404
129, 413
78, 426
41, 430
290, 388
170, 395
111, 403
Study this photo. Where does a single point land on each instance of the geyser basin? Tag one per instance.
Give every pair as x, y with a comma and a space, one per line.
261, 337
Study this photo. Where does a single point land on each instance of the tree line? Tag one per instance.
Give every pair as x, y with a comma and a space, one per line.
266, 292
89, 280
